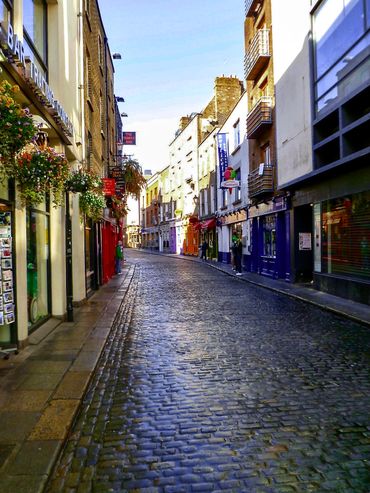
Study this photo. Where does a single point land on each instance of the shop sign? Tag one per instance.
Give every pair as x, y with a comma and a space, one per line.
35, 78
223, 154
280, 204
230, 184
109, 186
129, 138
236, 217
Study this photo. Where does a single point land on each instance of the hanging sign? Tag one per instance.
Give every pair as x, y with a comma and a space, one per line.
129, 138
223, 154
109, 186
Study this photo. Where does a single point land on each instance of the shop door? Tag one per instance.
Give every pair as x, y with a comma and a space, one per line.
303, 255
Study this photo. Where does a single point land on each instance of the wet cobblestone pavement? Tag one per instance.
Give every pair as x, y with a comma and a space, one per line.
208, 384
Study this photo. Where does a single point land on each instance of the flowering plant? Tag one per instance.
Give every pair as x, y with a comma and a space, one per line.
83, 180
92, 203
119, 207
16, 125
40, 171
133, 177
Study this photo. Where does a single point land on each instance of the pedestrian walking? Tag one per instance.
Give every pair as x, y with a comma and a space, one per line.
233, 240
237, 250
203, 250
119, 257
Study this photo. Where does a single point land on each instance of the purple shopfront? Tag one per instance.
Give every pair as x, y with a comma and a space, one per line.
270, 239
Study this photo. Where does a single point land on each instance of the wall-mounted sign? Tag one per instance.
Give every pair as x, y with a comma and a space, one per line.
129, 138
109, 186
27, 69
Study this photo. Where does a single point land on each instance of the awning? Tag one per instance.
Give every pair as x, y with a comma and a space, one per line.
193, 220
209, 224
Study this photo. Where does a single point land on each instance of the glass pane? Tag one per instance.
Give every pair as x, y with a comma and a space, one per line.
339, 70
368, 13
34, 21
346, 235
7, 299
37, 267
4, 13
338, 24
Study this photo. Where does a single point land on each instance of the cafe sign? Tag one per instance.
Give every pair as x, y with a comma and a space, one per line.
13, 46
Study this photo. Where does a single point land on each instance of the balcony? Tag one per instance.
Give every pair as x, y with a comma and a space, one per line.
261, 180
258, 55
252, 7
260, 117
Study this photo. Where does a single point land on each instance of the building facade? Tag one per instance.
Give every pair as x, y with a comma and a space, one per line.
39, 40
232, 203
268, 209
100, 141
324, 148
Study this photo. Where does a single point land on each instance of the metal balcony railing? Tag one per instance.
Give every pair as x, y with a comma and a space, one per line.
261, 180
258, 55
251, 7
259, 117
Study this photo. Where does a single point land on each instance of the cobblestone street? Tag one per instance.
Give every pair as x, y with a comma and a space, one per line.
210, 384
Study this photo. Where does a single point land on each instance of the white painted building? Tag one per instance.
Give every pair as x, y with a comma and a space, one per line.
232, 203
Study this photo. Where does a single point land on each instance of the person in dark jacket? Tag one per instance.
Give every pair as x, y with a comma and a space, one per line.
203, 251
237, 250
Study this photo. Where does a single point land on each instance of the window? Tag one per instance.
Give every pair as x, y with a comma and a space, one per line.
269, 236
101, 110
341, 60
88, 76
34, 26
236, 134
224, 197
87, 6
238, 190
89, 151
100, 51
5, 11
345, 235
266, 154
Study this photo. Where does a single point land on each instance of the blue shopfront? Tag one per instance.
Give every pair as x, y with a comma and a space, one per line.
270, 238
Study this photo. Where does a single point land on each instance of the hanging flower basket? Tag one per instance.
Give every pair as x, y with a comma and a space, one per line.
39, 171
119, 208
82, 180
16, 125
92, 204
133, 177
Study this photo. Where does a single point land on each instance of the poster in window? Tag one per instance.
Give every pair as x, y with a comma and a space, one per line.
5, 243
6, 263
9, 318
6, 253
8, 297
8, 307
7, 286
1, 318
7, 275
305, 241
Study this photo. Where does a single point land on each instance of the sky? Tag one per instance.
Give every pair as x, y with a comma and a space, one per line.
172, 51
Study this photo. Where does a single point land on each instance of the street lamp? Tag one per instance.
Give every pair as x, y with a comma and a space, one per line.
120, 99
117, 56
123, 114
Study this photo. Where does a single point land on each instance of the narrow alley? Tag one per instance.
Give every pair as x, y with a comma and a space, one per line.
210, 384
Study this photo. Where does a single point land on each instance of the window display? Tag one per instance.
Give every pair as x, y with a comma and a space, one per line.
345, 235
7, 302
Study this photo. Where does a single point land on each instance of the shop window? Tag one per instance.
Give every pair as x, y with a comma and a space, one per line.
345, 235
269, 236
38, 267
7, 298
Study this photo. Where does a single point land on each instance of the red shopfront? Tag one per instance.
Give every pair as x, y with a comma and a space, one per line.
110, 236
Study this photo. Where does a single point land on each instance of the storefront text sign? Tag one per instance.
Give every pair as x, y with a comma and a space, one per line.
34, 77
109, 186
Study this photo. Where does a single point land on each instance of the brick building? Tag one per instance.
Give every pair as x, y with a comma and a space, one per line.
100, 138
